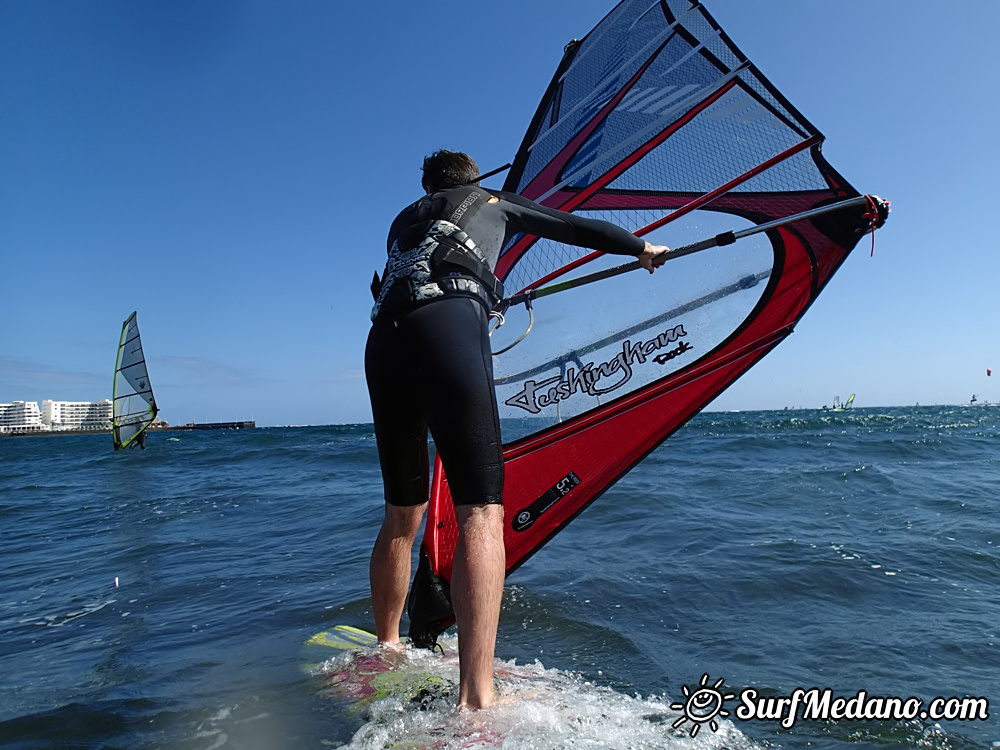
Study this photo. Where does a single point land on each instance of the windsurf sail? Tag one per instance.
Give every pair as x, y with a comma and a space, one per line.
657, 122
837, 406
134, 405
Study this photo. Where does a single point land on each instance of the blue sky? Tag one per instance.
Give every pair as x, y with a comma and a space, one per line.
229, 169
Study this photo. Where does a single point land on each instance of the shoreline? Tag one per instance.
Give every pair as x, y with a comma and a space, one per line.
244, 425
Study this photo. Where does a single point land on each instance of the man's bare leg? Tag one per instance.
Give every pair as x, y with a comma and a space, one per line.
389, 570
476, 592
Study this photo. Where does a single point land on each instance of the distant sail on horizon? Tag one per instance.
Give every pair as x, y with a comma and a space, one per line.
134, 405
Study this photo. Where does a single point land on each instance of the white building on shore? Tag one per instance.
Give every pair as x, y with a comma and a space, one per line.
24, 417
21, 417
77, 415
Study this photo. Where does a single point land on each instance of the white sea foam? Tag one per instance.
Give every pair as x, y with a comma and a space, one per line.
537, 709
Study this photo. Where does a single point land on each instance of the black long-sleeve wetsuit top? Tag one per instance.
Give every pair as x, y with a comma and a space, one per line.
489, 219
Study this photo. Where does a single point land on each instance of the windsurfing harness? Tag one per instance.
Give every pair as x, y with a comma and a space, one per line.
444, 260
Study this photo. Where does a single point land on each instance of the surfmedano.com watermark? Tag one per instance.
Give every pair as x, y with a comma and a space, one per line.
706, 702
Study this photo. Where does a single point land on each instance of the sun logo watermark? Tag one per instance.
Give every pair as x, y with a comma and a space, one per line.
702, 705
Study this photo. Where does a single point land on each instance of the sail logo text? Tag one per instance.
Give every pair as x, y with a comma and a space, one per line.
600, 379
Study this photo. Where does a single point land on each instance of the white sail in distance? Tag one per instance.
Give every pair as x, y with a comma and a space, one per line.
134, 405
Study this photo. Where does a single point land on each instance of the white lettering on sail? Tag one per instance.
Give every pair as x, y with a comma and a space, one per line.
596, 380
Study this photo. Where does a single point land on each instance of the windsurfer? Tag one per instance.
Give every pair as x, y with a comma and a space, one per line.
429, 366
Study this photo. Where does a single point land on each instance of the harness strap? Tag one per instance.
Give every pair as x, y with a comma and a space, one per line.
434, 257
459, 249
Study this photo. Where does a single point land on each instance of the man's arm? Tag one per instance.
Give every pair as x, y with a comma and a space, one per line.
561, 226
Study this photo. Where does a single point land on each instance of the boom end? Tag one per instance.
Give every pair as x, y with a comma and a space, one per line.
878, 212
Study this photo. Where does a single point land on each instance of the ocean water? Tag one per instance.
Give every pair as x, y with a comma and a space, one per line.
161, 599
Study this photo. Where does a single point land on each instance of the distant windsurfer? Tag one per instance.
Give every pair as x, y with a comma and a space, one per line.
429, 365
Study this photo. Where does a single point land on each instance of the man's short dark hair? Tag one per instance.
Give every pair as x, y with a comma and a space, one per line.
448, 169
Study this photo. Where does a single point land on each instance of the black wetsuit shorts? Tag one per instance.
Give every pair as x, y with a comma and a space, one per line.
432, 368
